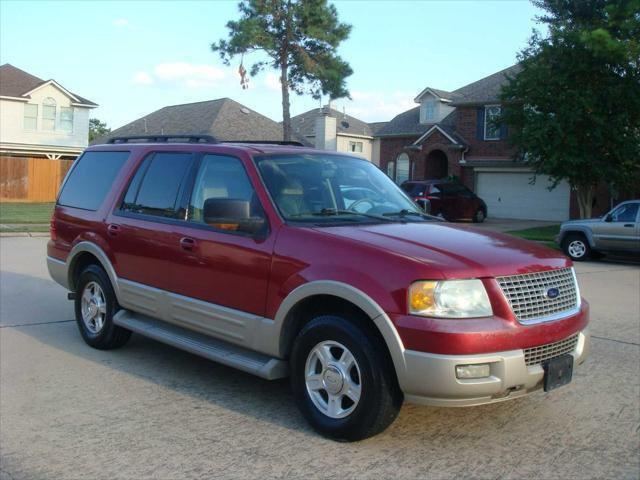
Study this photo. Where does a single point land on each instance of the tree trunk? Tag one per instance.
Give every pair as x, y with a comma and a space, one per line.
585, 200
286, 116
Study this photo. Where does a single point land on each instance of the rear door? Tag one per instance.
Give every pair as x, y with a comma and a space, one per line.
141, 228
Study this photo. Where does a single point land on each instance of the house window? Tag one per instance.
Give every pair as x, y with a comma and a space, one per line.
66, 119
429, 111
49, 114
391, 169
402, 172
491, 122
30, 116
355, 147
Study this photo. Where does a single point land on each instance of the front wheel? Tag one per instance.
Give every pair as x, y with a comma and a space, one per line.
342, 379
576, 247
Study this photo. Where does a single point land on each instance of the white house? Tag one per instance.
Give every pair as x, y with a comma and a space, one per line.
329, 129
40, 118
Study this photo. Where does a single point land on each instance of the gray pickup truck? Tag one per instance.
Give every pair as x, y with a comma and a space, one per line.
616, 232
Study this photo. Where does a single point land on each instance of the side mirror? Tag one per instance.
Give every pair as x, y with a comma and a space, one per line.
233, 215
608, 218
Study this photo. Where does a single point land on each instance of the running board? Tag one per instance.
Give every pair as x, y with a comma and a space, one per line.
202, 345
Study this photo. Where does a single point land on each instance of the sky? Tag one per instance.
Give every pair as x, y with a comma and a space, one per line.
133, 58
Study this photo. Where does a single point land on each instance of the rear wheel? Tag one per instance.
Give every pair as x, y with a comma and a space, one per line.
342, 380
95, 305
576, 247
479, 216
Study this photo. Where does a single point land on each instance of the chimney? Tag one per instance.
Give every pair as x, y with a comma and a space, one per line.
325, 130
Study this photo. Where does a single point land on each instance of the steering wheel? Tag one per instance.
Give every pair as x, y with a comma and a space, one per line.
361, 201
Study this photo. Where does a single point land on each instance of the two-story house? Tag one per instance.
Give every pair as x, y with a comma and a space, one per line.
328, 129
453, 134
42, 124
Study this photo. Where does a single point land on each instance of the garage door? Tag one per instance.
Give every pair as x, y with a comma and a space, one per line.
509, 195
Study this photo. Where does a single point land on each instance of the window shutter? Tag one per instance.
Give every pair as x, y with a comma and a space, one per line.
503, 131
480, 123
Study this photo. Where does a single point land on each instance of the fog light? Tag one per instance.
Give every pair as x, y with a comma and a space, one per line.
480, 370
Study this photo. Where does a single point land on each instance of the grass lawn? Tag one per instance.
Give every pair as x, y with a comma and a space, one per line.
25, 213
31, 228
539, 234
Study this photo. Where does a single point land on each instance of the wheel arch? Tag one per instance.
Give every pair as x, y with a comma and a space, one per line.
586, 232
327, 296
85, 253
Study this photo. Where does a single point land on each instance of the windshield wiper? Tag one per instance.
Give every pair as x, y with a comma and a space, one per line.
329, 212
407, 213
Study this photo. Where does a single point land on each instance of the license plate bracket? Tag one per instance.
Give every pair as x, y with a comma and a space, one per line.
558, 372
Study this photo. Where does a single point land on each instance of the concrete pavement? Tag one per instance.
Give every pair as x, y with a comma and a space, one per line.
150, 411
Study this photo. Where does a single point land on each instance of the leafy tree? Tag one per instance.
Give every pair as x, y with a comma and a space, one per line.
97, 129
299, 38
574, 109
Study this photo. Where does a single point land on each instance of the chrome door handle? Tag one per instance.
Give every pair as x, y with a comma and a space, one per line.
187, 243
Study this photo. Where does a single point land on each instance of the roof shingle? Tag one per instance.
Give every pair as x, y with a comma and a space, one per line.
225, 119
304, 124
16, 83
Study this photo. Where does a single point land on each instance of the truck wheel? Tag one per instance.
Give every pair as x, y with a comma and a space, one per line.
342, 380
95, 305
576, 247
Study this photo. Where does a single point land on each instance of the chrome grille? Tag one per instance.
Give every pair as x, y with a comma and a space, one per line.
528, 297
538, 355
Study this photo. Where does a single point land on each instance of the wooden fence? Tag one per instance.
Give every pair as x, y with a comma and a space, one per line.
31, 179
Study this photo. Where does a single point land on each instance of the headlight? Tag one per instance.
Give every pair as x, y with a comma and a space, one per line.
449, 299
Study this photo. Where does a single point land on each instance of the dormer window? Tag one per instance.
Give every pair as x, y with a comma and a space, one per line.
49, 114
491, 122
429, 110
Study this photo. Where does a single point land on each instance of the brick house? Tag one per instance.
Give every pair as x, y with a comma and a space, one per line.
451, 134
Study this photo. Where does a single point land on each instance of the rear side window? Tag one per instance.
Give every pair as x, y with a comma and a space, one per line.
157, 186
91, 178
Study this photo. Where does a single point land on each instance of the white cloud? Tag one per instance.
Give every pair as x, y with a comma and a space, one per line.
142, 78
272, 81
122, 23
374, 106
183, 74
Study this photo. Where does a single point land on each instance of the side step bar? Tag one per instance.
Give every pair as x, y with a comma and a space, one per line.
213, 349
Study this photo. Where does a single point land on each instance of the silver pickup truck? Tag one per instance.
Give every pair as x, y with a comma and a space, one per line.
616, 232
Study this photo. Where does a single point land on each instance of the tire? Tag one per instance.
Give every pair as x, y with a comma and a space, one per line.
576, 247
479, 216
94, 314
379, 399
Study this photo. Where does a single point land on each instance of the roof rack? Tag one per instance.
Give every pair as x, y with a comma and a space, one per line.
165, 138
292, 143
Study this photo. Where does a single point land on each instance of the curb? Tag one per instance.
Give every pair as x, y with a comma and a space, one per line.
24, 234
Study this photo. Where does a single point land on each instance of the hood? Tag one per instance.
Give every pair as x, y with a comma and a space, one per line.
580, 222
456, 251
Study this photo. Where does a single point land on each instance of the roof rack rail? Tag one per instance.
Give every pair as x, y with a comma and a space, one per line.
291, 143
165, 138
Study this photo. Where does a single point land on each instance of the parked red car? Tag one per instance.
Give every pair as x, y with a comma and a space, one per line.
448, 200
281, 260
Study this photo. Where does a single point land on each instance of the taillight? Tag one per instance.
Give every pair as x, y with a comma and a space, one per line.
52, 226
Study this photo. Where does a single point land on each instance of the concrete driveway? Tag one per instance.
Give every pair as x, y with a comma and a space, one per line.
150, 411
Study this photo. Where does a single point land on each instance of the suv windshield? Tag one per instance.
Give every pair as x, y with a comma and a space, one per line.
328, 188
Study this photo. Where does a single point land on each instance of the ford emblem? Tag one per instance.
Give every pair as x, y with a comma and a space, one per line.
553, 292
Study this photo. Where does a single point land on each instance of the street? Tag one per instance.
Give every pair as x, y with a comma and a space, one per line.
151, 411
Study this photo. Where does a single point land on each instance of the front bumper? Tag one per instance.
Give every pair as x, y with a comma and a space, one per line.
430, 379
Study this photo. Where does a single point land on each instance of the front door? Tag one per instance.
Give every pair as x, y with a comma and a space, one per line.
619, 229
216, 261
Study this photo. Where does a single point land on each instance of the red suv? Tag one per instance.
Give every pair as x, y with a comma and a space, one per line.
448, 200
281, 260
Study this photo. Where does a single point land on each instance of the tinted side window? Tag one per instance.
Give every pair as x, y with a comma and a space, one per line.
91, 178
157, 185
223, 196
